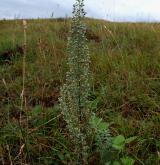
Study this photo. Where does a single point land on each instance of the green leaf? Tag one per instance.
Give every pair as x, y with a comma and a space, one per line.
36, 111
95, 121
118, 142
94, 103
116, 163
129, 140
61, 156
103, 126
127, 161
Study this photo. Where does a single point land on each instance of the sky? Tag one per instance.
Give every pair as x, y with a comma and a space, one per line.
113, 10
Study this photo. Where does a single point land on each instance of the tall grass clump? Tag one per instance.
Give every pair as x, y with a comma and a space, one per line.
75, 91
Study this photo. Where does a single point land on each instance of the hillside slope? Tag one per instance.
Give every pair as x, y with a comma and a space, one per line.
125, 82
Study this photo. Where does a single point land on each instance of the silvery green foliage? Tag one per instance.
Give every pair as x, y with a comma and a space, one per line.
104, 146
74, 93
102, 139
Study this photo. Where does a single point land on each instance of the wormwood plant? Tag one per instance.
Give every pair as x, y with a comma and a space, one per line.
74, 93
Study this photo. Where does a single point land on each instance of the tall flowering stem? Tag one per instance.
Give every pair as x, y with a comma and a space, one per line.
75, 92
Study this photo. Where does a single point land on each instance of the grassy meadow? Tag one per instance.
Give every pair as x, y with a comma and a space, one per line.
125, 69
